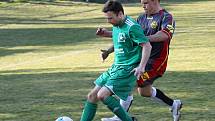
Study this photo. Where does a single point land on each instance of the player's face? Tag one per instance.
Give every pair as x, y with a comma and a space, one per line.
148, 6
112, 18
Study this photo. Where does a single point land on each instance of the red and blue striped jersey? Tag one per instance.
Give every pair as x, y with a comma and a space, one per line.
161, 21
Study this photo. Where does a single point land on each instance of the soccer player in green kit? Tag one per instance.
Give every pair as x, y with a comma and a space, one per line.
132, 50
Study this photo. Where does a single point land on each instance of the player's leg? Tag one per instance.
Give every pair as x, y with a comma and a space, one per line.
122, 82
92, 99
146, 90
125, 104
175, 105
90, 105
113, 104
155, 94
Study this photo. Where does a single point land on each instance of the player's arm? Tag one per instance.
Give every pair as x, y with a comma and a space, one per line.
160, 36
103, 32
137, 35
146, 51
167, 30
105, 52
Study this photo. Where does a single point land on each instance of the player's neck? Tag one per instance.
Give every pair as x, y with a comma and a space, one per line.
156, 10
122, 21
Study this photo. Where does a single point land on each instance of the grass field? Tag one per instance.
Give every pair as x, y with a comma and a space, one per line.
49, 58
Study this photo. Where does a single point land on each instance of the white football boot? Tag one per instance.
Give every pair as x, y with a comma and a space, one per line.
175, 109
114, 118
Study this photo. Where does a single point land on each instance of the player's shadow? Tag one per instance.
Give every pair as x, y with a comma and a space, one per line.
64, 92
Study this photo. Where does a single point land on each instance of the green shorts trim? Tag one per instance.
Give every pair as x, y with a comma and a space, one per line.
119, 80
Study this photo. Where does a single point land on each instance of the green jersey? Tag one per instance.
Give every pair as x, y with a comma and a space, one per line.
126, 40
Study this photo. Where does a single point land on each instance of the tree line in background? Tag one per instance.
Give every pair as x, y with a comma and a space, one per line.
93, 1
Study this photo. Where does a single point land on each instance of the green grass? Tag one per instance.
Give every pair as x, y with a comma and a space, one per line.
49, 58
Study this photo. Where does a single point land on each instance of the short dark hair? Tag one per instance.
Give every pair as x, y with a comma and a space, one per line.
114, 6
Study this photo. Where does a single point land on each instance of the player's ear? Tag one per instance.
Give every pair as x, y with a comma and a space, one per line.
120, 14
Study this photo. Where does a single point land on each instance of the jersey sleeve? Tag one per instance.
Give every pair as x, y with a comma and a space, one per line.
137, 34
168, 25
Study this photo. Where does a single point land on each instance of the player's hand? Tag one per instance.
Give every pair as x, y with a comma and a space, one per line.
104, 54
101, 31
138, 71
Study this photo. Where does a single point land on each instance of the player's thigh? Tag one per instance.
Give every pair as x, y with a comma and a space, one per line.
148, 78
103, 93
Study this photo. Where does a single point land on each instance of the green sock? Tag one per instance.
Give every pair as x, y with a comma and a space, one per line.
89, 111
114, 105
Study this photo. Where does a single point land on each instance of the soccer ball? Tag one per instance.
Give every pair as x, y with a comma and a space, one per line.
63, 118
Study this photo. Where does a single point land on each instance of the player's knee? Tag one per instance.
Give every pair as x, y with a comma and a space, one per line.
103, 94
92, 97
100, 97
145, 93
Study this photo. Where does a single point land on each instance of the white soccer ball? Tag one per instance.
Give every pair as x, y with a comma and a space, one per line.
63, 118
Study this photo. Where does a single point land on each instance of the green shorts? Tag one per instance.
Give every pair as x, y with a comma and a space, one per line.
119, 80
